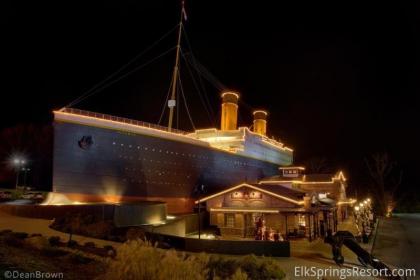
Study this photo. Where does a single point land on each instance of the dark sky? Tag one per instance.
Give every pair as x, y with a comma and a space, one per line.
340, 80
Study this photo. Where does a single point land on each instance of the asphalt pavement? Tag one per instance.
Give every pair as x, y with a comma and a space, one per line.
398, 242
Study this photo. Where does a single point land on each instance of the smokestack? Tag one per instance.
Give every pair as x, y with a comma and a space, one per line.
229, 110
260, 122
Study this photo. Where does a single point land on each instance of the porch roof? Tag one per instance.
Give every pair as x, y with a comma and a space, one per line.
283, 210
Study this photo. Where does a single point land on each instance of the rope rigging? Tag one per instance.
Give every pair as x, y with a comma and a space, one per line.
94, 89
185, 102
120, 78
204, 101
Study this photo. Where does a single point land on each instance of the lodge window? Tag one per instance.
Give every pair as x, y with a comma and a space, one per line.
255, 195
230, 220
237, 195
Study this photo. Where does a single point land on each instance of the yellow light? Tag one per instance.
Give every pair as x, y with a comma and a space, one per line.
292, 167
260, 111
340, 176
350, 201
230, 92
243, 210
356, 208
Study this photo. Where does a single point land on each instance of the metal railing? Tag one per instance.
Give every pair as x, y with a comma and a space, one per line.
121, 120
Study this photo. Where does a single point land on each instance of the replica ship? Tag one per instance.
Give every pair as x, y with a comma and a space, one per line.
99, 157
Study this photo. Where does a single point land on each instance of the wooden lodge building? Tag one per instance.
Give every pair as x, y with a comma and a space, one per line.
290, 205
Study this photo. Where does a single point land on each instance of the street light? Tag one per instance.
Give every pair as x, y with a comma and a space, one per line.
25, 170
19, 164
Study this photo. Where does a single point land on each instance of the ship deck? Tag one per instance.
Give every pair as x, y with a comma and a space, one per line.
121, 120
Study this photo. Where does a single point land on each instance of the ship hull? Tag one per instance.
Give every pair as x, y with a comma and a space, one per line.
100, 164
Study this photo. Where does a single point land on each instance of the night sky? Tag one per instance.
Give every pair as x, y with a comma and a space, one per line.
339, 81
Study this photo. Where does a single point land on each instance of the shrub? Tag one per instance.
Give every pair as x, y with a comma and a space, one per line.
239, 275
261, 268
72, 243
135, 233
20, 235
222, 267
109, 247
139, 260
53, 252
35, 234
254, 267
5, 231
90, 245
54, 240
37, 242
11, 240
79, 258
110, 250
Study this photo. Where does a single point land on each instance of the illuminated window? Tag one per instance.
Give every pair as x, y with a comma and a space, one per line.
301, 220
237, 195
230, 220
255, 195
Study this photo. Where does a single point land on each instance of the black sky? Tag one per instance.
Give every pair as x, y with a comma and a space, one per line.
340, 80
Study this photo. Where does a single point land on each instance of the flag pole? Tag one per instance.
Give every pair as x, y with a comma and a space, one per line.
172, 101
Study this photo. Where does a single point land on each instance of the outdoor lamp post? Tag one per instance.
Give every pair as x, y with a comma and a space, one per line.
201, 191
25, 171
19, 164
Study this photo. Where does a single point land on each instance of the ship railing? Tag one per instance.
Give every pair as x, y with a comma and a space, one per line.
121, 120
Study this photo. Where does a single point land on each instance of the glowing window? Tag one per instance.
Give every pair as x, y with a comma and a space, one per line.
237, 195
255, 195
230, 220
301, 220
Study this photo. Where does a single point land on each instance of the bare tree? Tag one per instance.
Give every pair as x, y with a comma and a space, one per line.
316, 165
387, 178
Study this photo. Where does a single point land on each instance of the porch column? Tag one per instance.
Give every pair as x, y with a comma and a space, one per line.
335, 220
287, 231
309, 223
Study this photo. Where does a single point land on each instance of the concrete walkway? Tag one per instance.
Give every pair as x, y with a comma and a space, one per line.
41, 226
398, 242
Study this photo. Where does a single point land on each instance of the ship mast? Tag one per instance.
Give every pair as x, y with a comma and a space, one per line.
172, 101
